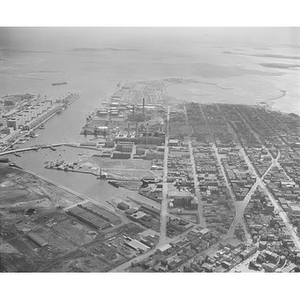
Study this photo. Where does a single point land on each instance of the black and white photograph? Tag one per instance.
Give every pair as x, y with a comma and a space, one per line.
150, 149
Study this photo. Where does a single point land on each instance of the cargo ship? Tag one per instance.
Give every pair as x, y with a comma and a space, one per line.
59, 83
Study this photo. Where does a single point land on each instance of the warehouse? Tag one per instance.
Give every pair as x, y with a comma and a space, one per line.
88, 218
137, 246
37, 239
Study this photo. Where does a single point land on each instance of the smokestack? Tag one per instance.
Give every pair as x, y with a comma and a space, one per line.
147, 133
128, 128
143, 106
136, 129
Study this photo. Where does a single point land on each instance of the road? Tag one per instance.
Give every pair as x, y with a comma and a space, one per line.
164, 202
202, 221
32, 148
282, 214
273, 164
239, 205
259, 182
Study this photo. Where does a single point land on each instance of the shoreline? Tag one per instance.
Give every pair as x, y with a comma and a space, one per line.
66, 189
274, 104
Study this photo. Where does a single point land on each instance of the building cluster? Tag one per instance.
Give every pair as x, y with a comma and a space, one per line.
142, 138
10, 101
20, 119
181, 200
178, 128
270, 233
198, 124
171, 257
136, 115
260, 158
235, 119
152, 191
176, 226
180, 166
125, 245
285, 128
286, 191
267, 260
217, 124
279, 133
231, 253
180, 172
146, 215
237, 172
218, 205
261, 122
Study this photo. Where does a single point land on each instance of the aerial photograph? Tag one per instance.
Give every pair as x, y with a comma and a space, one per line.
150, 149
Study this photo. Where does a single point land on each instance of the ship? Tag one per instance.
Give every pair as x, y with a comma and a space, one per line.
59, 83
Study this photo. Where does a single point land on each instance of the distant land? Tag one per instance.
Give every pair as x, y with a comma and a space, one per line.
25, 51
105, 49
265, 55
280, 66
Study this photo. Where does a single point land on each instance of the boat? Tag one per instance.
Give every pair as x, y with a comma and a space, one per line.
59, 83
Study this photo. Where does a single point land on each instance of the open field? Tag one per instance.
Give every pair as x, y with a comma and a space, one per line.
121, 163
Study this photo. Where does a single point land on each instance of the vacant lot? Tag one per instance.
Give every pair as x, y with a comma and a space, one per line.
121, 163
11, 195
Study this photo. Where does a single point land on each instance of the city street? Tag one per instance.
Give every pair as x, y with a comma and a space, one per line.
164, 203
196, 183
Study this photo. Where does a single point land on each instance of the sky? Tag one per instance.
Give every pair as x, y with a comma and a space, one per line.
53, 38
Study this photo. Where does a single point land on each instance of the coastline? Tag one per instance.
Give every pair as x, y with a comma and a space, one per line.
285, 105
